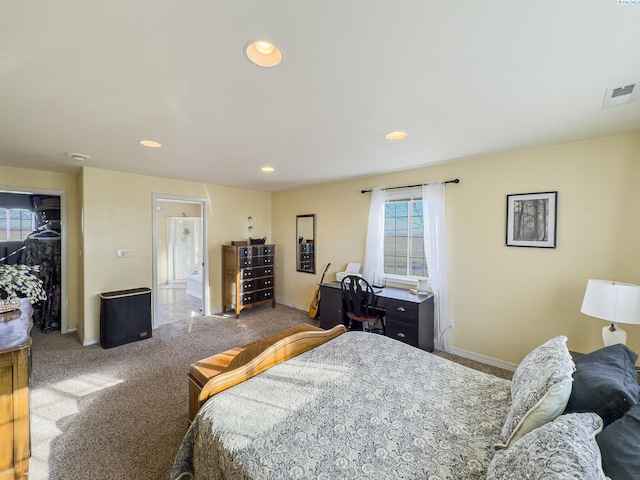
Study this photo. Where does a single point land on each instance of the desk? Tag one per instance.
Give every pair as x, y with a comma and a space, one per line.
409, 318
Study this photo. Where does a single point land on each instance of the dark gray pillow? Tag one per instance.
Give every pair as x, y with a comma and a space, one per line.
619, 446
605, 382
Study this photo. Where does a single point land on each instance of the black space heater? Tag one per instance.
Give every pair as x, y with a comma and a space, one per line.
125, 316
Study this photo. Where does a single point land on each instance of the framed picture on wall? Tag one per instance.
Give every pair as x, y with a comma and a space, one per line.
531, 219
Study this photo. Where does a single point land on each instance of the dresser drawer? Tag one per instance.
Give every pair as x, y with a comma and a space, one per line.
265, 283
266, 272
247, 298
406, 333
404, 312
249, 273
265, 294
248, 261
249, 285
267, 250
266, 260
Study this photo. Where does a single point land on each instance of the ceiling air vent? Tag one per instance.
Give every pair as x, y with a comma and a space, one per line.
620, 95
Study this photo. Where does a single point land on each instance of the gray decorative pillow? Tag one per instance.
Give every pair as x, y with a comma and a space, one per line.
540, 390
565, 448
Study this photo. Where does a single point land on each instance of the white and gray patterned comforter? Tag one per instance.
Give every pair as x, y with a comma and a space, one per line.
360, 406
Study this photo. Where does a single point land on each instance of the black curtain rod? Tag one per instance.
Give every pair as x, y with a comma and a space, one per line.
455, 180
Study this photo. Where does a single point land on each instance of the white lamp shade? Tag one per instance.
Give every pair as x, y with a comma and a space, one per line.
612, 301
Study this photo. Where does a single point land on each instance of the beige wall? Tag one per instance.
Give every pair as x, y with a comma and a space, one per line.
504, 300
24, 179
118, 214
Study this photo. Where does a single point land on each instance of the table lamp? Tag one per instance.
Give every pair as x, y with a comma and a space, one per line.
615, 302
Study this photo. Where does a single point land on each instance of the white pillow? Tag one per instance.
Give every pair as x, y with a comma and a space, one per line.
540, 390
565, 448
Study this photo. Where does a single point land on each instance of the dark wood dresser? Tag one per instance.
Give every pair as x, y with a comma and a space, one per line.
15, 351
248, 276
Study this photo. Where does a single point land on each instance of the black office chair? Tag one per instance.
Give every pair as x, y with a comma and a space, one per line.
359, 305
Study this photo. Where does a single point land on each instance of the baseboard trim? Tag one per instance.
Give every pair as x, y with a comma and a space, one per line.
90, 341
483, 359
287, 303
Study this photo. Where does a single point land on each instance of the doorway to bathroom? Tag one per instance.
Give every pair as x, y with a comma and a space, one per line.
180, 259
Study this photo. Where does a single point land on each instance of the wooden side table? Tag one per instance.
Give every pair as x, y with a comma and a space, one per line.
15, 351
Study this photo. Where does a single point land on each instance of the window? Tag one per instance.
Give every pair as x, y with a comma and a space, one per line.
401, 221
16, 223
404, 239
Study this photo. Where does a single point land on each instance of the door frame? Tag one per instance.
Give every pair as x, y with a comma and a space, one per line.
64, 240
204, 205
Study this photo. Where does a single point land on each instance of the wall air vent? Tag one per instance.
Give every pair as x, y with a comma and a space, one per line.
620, 95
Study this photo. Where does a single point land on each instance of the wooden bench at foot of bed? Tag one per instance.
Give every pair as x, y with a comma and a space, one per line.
224, 370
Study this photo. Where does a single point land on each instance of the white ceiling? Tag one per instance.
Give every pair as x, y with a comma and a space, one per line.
463, 78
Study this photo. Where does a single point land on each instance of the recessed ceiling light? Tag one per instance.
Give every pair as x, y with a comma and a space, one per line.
397, 135
265, 48
81, 157
263, 54
150, 143
268, 169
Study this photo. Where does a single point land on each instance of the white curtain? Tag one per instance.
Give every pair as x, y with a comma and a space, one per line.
374, 252
435, 247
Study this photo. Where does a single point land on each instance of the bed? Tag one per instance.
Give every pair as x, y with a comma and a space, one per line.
366, 406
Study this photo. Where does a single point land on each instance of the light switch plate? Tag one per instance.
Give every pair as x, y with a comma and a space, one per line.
124, 253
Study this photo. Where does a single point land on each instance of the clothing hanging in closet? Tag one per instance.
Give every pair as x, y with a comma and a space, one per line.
44, 248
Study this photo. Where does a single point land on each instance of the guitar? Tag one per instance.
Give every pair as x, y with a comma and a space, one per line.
314, 308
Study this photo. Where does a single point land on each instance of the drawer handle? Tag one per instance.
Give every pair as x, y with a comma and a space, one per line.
401, 309
401, 335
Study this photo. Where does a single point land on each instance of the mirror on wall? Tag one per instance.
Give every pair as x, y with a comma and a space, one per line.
306, 235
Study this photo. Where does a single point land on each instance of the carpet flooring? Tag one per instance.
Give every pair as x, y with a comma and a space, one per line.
122, 412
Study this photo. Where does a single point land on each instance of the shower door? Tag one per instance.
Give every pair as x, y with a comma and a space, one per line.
184, 248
